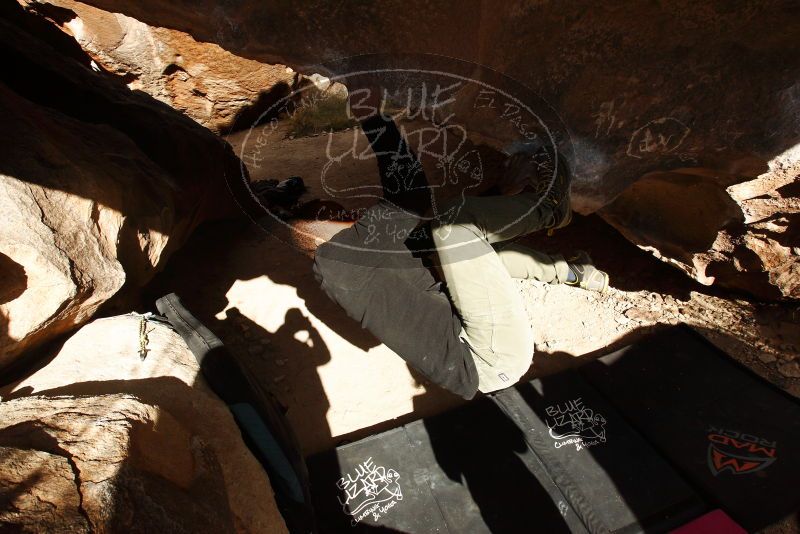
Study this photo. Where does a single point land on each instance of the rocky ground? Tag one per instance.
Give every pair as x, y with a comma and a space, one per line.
646, 294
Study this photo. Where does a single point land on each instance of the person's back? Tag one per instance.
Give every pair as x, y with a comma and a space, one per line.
472, 333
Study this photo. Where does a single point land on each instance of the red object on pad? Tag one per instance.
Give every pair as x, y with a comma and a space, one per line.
716, 522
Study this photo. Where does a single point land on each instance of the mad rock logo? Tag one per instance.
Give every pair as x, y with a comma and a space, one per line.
572, 423
737, 453
370, 490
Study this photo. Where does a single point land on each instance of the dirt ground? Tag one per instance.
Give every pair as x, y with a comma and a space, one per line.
339, 383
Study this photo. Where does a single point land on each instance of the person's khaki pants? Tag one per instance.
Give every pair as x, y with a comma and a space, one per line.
479, 264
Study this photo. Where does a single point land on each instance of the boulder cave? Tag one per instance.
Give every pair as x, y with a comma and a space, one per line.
137, 134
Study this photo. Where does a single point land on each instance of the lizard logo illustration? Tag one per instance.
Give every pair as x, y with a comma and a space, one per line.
369, 490
572, 423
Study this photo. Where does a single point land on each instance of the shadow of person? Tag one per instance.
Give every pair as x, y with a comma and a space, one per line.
220, 253
293, 268
208, 273
285, 362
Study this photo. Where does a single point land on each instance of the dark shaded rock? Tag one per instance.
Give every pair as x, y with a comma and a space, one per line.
707, 94
100, 183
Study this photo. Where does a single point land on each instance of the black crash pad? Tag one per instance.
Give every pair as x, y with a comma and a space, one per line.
611, 477
492, 466
729, 432
468, 470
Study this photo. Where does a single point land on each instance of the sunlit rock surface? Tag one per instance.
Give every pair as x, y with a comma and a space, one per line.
212, 86
99, 184
99, 440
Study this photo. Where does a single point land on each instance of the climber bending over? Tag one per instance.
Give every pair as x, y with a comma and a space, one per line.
474, 335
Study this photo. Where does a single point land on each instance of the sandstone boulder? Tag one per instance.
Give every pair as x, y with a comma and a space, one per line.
630, 89
207, 83
99, 440
98, 184
720, 229
640, 87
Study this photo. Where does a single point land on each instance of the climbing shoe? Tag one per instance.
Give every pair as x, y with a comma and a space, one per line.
285, 194
521, 171
552, 186
543, 171
584, 274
